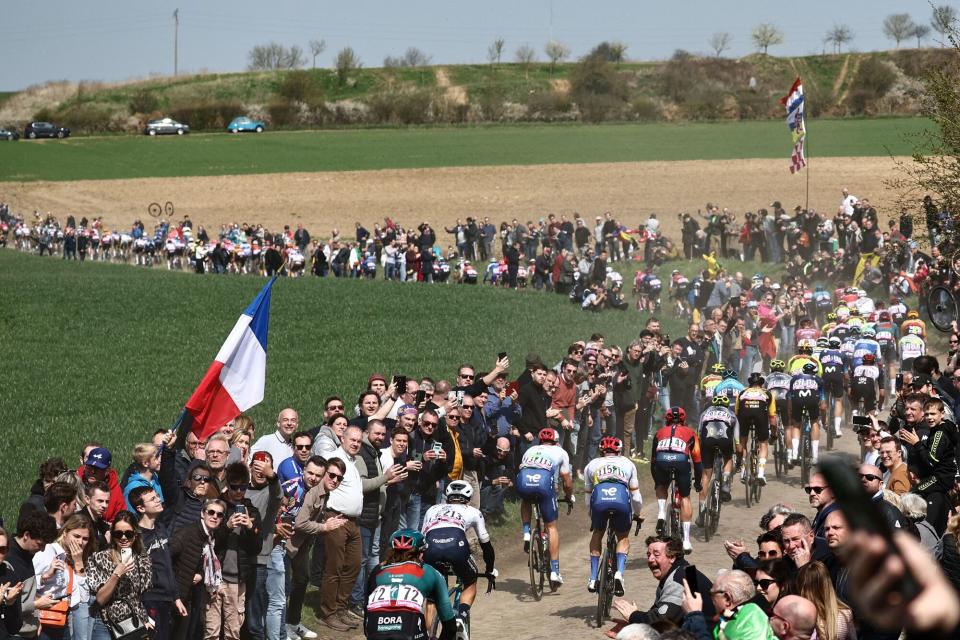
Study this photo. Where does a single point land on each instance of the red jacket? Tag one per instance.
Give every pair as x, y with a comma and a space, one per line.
117, 503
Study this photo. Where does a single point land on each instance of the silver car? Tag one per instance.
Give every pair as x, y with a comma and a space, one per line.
165, 126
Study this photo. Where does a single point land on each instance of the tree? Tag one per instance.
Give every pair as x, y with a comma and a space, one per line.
557, 52
898, 27
943, 20
273, 56
316, 48
839, 35
525, 55
765, 36
719, 42
347, 61
414, 57
920, 32
610, 51
495, 50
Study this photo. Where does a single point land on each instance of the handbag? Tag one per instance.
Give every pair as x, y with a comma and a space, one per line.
56, 616
129, 629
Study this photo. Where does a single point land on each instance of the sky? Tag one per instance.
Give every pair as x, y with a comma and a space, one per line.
116, 40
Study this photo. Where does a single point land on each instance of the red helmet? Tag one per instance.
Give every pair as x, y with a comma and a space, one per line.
610, 444
547, 435
676, 415
869, 358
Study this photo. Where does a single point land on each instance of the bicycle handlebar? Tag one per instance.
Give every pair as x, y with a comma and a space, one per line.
636, 529
491, 579
569, 502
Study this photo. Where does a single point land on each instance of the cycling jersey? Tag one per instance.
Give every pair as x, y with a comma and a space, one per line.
847, 348
795, 365
806, 392
458, 516
614, 487
862, 347
680, 284
652, 283
910, 346
865, 305
396, 598
887, 336
914, 322
865, 384
445, 531
719, 422
822, 299
707, 384
730, 387
674, 447
806, 333
540, 468
756, 408
898, 312
779, 383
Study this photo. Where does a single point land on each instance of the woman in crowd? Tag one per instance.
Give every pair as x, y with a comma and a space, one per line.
834, 618
118, 576
330, 435
61, 570
146, 458
772, 579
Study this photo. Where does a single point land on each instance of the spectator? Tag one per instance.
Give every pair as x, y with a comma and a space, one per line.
872, 480
915, 509
330, 436
146, 457
184, 505
60, 502
49, 470
895, 477
740, 619
96, 468
266, 588
794, 618
834, 618
197, 566
800, 543
35, 530
499, 471
278, 444
773, 578
216, 453
10, 620
821, 498
61, 570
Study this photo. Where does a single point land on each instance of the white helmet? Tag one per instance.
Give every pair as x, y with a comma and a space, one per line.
459, 490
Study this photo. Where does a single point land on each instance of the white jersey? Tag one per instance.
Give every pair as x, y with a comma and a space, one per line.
458, 516
549, 457
610, 469
911, 346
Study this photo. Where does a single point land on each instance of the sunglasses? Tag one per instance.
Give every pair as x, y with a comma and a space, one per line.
466, 406
432, 425
581, 350
200, 478
468, 376
239, 487
454, 418
499, 450
302, 447
764, 583
4, 549
816, 490
124, 534
870, 477
337, 407
336, 477
213, 513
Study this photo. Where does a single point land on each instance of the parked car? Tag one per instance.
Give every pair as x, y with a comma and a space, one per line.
165, 126
45, 130
7, 134
243, 123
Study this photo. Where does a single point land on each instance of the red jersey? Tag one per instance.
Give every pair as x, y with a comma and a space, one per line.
674, 441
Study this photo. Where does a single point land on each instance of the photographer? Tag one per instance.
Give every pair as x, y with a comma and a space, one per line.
680, 379
644, 359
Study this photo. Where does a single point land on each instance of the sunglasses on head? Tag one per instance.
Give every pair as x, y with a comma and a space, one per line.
213, 513
124, 534
810, 489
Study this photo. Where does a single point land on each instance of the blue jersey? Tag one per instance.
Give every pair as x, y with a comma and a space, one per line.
823, 299
730, 387
832, 362
862, 347
805, 388
290, 475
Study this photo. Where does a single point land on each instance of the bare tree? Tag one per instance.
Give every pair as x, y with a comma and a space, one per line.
765, 36
347, 61
898, 27
495, 50
943, 21
316, 48
920, 32
414, 57
839, 35
720, 42
557, 52
273, 56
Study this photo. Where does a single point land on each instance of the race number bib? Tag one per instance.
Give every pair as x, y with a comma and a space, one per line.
539, 461
608, 473
395, 596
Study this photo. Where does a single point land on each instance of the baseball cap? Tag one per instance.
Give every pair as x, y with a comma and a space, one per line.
406, 409
920, 379
752, 304
99, 458
376, 376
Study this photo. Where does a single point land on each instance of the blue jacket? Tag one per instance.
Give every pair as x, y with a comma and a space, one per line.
502, 413
137, 480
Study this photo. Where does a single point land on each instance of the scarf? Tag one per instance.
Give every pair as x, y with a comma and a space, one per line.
212, 576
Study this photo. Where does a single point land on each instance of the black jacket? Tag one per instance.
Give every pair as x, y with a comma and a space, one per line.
10, 618
533, 404
424, 482
370, 513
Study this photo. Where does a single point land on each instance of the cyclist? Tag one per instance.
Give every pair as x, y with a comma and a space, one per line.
611, 480
866, 344
778, 384
542, 465
709, 381
913, 320
806, 331
828, 328
398, 590
806, 393
887, 336
804, 356
756, 408
822, 343
855, 319
719, 429
911, 346
729, 386
822, 301
445, 529
679, 287
898, 310
674, 447
833, 368
650, 287
866, 383
848, 345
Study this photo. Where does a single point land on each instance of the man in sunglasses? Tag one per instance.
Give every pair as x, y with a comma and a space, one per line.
182, 505
872, 479
499, 472
822, 499
290, 470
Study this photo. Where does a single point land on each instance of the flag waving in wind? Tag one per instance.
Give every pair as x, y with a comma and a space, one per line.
235, 380
793, 102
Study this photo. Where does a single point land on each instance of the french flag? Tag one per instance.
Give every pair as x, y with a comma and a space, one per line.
235, 380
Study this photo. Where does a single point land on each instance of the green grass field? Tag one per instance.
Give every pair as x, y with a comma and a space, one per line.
113, 157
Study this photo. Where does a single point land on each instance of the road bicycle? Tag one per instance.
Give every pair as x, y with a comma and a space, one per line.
674, 501
829, 429
942, 307
608, 569
751, 470
711, 512
806, 446
538, 557
780, 450
454, 592
154, 209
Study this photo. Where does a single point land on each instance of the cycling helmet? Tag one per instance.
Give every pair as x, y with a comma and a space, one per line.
861, 293
854, 311
805, 349
458, 491
778, 365
676, 415
912, 315
884, 316
869, 332
675, 272
720, 400
756, 379
718, 368
869, 358
831, 317
729, 373
854, 330
914, 329
835, 342
609, 444
810, 369
822, 341
547, 435
407, 540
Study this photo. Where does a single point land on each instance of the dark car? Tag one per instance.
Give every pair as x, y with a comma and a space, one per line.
45, 130
7, 134
165, 126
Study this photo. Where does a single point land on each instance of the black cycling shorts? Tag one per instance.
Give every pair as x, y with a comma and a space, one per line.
447, 548
812, 405
867, 393
833, 385
394, 625
783, 410
759, 420
707, 445
660, 470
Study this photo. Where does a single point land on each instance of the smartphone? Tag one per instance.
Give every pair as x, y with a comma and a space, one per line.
418, 457
260, 456
501, 355
437, 447
421, 396
126, 554
690, 575
239, 509
898, 383
863, 514
863, 421
400, 383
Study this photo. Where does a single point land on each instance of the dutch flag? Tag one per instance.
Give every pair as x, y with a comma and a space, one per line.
235, 380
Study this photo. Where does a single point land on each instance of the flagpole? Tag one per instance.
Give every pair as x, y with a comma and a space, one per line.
807, 153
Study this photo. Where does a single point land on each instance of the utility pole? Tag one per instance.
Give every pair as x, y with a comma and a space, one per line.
176, 35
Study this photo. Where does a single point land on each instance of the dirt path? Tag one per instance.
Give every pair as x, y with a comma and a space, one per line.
841, 77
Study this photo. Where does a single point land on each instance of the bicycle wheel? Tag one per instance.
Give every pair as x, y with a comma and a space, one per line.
942, 307
805, 454
154, 209
168, 208
827, 426
534, 560
755, 474
675, 514
748, 475
605, 580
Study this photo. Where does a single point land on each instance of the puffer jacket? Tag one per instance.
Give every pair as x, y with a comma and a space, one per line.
374, 484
